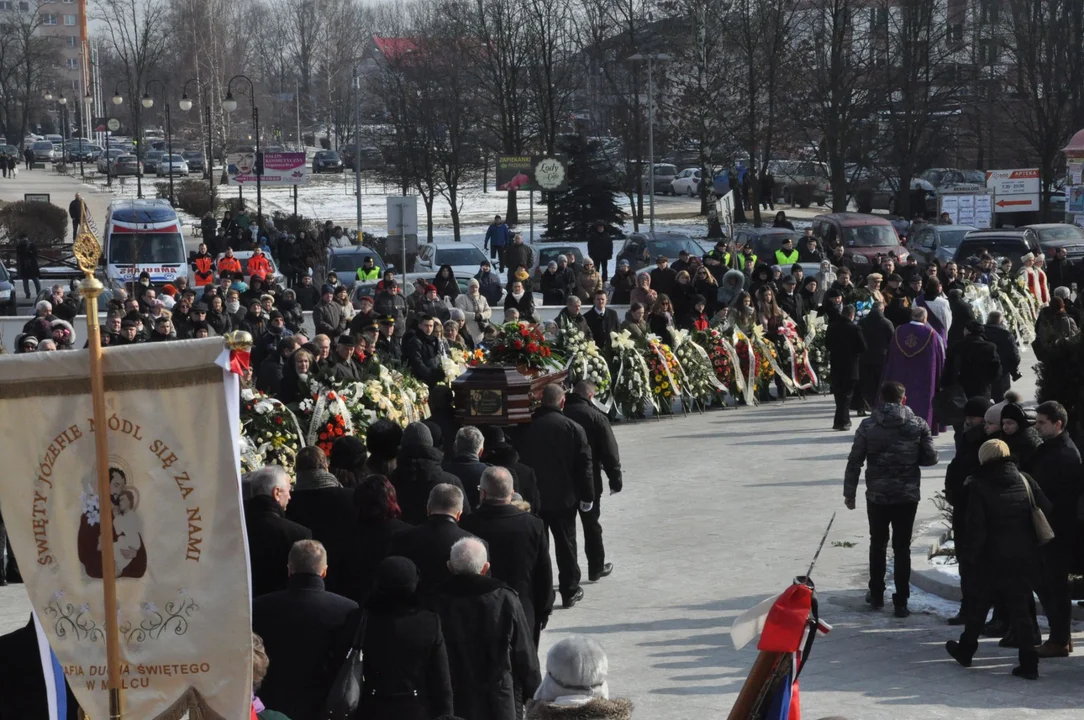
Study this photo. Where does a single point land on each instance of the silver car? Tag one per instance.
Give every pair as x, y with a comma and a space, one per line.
172, 165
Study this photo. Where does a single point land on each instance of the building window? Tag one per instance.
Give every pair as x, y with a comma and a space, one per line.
24, 6
69, 20
7, 5
988, 11
73, 41
48, 19
73, 63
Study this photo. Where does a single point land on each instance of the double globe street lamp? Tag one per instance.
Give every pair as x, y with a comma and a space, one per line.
148, 102
62, 118
229, 104
118, 99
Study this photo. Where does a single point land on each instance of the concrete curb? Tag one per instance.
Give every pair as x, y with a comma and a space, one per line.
923, 574
928, 579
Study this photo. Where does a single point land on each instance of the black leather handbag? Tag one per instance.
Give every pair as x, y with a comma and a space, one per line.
345, 694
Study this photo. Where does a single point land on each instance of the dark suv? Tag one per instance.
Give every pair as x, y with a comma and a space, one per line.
1011, 244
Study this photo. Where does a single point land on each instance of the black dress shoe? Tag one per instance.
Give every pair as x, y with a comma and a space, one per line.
995, 629
570, 601
957, 619
604, 572
877, 601
957, 653
1020, 672
900, 606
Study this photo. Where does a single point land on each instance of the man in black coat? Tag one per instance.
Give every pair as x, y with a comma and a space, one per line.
428, 545
465, 463
1055, 465
492, 658
663, 277
418, 471
792, 303
1060, 271
877, 332
601, 321
558, 450
600, 246
498, 451
968, 439
301, 628
518, 547
1008, 353
972, 363
308, 297
845, 347
604, 456
270, 534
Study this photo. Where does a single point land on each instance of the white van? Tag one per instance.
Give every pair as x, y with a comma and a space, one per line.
144, 236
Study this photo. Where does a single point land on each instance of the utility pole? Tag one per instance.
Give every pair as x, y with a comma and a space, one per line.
661, 57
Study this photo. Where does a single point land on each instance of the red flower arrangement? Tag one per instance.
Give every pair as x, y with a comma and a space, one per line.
335, 429
523, 346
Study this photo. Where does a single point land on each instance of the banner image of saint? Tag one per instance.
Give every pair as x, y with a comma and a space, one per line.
129, 551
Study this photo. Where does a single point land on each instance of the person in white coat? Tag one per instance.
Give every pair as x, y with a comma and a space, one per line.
477, 310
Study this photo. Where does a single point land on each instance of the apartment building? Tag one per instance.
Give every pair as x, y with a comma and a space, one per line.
65, 20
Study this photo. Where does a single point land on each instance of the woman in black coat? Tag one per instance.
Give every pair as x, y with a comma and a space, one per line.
446, 284
406, 662
661, 319
1001, 542
377, 521
1022, 440
524, 303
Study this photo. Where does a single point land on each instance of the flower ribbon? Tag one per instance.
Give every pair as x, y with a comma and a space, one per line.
240, 361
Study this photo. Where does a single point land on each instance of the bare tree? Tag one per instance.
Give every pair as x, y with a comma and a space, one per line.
835, 86
28, 61
1042, 47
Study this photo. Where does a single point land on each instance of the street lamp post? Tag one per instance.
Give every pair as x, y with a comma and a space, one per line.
229, 104
186, 105
86, 135
357, 149
64, 130
651, 58
118, 99
148, 102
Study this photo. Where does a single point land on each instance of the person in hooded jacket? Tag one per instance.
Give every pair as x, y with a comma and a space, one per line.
417, 471
1022, 440
446, 284
492, 656
643, 293
1002, 545
406, 661
730, 288
291, 311
761, 277
623, 283
308, 295
489, 283
588, 280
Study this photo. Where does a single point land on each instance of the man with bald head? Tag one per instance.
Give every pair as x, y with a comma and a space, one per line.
519, 546
558, 450
492, 658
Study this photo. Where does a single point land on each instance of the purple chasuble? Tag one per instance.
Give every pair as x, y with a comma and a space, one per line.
916, 357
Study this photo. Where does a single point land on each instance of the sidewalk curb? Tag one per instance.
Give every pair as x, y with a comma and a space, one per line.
928, 579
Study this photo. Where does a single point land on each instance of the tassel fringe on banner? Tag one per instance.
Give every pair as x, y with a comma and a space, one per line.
190, 705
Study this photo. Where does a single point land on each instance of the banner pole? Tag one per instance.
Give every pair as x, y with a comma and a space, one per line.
87, 252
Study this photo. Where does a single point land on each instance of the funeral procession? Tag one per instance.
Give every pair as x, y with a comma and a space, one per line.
541, 360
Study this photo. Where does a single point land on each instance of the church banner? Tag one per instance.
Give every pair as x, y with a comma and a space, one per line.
180, 547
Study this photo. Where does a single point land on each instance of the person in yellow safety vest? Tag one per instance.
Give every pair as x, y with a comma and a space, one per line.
718, 259
368, 270
747, 259
786, 255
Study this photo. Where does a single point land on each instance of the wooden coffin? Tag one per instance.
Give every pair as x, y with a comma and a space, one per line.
498, 394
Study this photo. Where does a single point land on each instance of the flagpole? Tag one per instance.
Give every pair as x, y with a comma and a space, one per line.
87, 251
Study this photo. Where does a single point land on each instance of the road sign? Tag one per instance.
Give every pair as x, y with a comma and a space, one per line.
724, 209
113, 124
36, 197
1014, 190
402, 228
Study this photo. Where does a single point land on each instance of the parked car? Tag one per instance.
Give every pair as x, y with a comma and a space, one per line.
195, 160
800, 182
8, 293
641, 249
327, 161
464, 257
664, 176
107, 160
765, 240
84, 151
151, 160
865, 238
172, 165
127, 165
10, 151
943, 179
936, 243
1053, 236
1012, 244
687, 182
43, 151
550, 251
344, 262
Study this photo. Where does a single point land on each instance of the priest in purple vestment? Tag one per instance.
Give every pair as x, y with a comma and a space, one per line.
916, 357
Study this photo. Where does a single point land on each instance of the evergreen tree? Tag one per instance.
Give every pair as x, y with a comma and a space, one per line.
591, 196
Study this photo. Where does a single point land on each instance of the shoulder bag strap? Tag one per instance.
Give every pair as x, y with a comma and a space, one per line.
359, 634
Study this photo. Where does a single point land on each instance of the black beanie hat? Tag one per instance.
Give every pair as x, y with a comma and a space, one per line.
1012, 411
977, 406
396, 576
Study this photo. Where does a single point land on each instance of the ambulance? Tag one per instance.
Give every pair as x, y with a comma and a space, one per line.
144, 236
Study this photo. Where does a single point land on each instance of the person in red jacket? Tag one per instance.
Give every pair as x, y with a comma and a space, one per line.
230, 264
204, 266
258, 264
